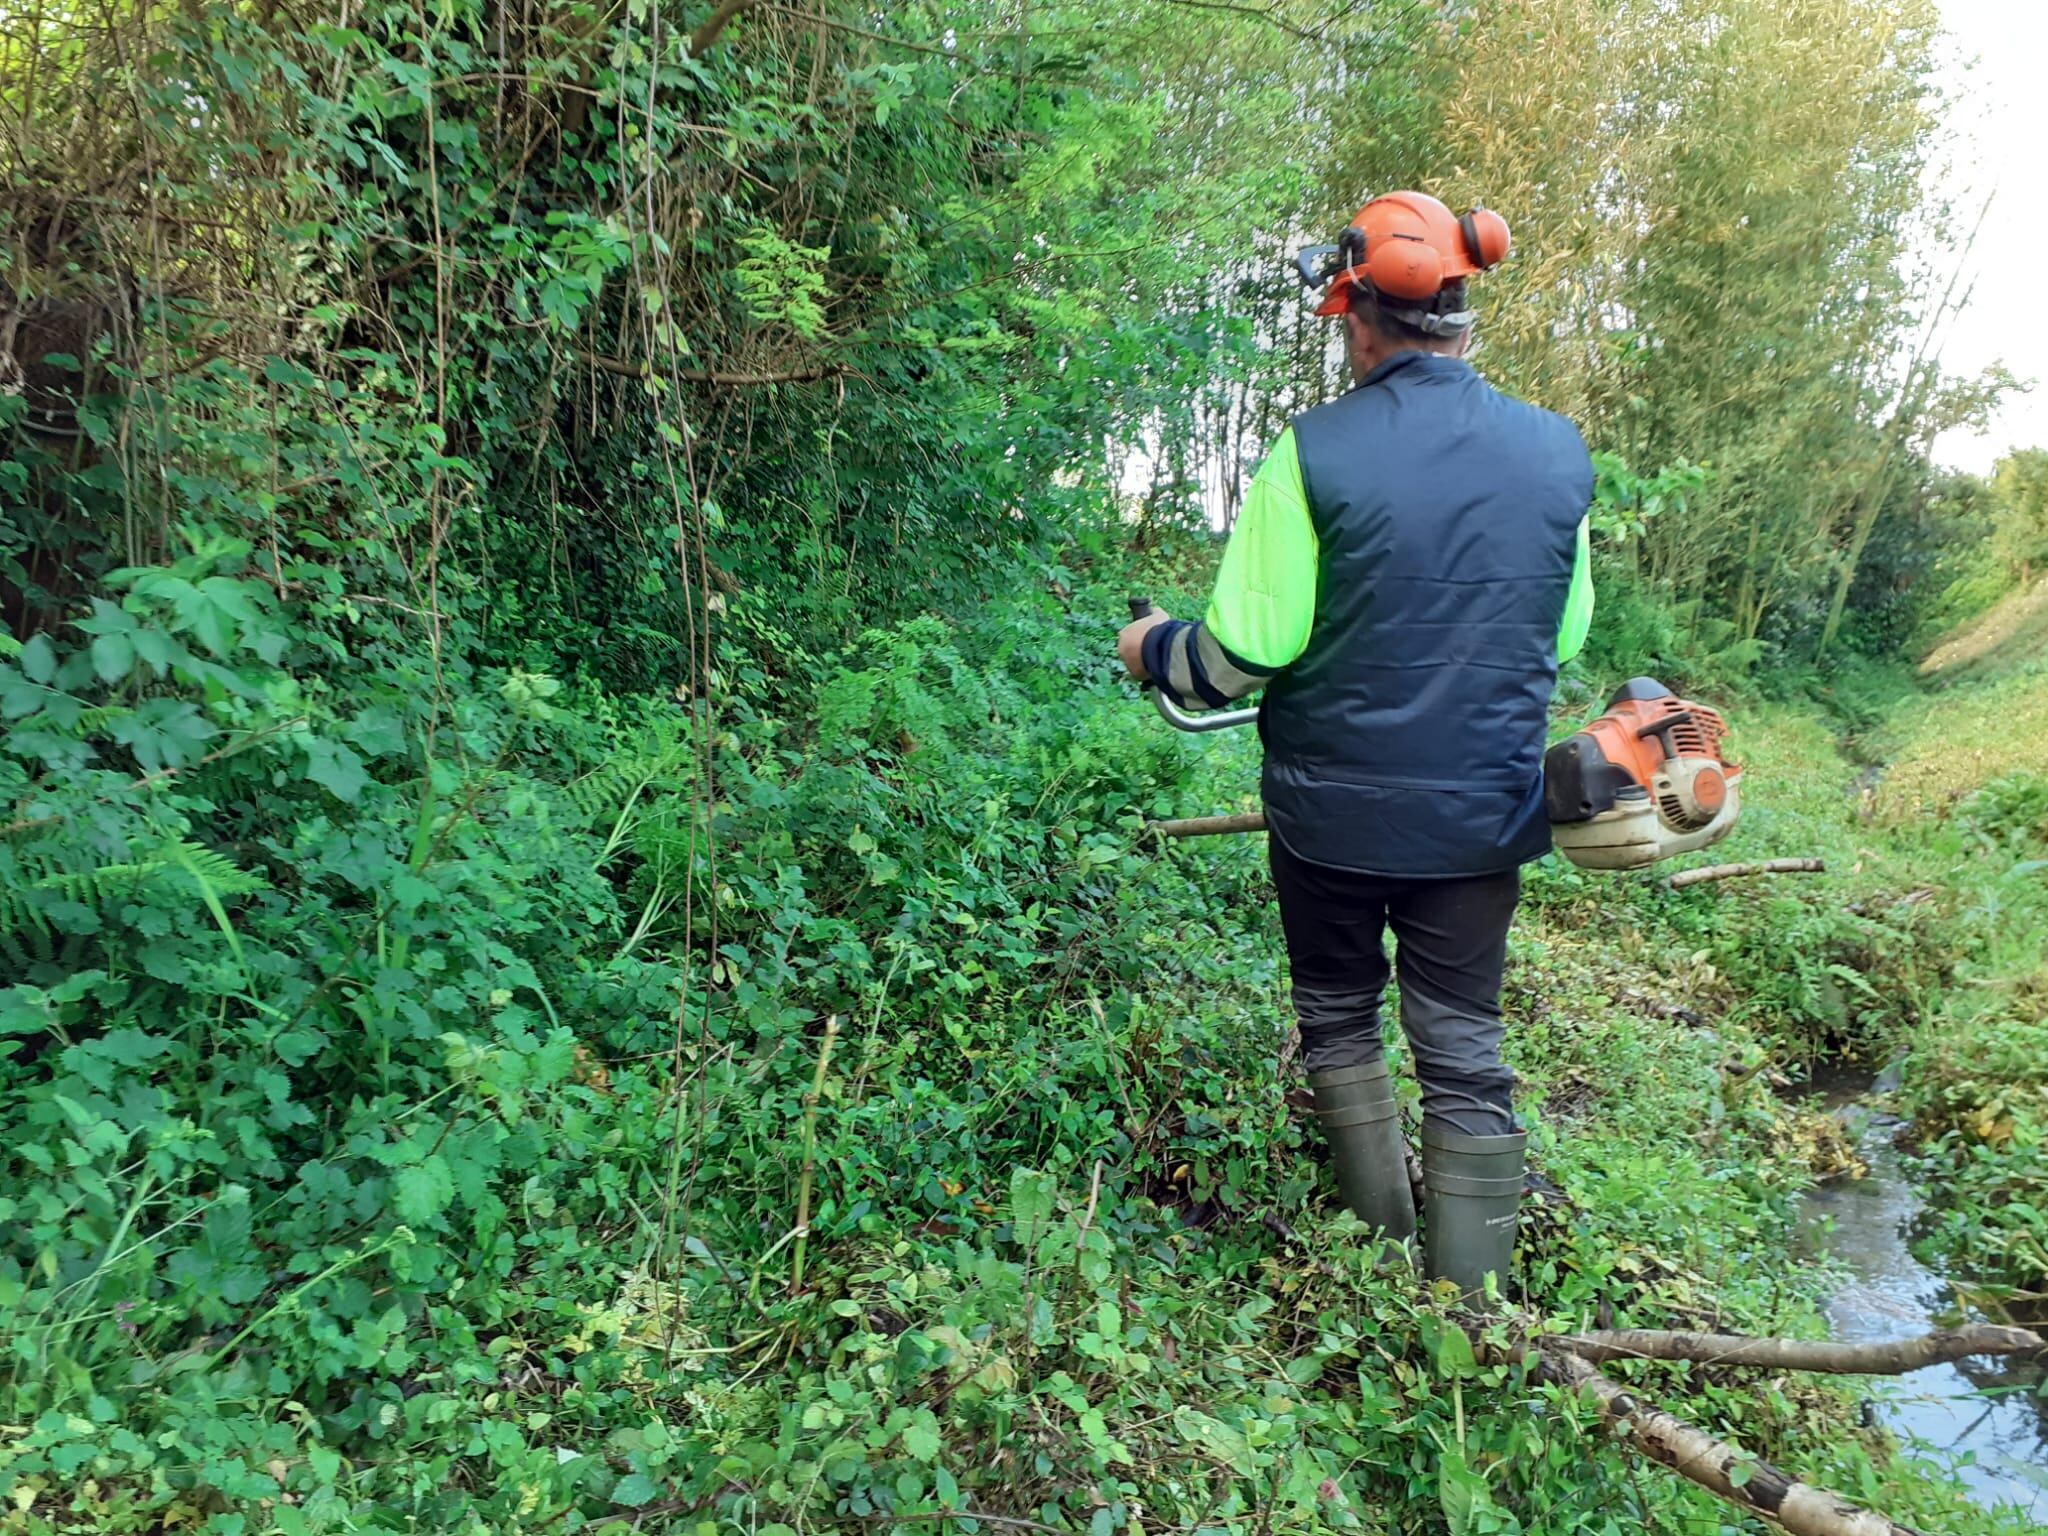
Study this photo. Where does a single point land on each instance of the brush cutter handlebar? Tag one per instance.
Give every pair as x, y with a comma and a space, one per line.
1181, 719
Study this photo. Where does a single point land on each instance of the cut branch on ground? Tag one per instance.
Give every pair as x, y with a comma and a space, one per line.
1891, 1358
1748, 1482
1209, 826
1701, 876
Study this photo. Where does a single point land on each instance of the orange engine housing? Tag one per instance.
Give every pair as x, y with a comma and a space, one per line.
1645, 780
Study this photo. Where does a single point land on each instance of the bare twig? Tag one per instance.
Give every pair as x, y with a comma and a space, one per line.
1016, 1522
1270, 17
852, 31
1701, 876
803, 1187
628, 369
1893, 1358
1088, 1216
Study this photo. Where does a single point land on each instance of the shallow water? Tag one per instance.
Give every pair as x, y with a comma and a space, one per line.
1984, 1417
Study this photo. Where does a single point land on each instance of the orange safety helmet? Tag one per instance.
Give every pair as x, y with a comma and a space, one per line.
1406, 245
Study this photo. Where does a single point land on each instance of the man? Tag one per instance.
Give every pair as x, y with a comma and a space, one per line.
1407, 573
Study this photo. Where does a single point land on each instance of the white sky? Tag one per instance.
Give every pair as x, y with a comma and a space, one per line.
1999, 73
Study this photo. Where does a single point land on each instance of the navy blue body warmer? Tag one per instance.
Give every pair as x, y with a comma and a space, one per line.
1408, 738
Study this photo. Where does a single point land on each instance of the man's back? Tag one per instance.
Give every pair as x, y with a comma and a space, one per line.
1407, 737
1409, 567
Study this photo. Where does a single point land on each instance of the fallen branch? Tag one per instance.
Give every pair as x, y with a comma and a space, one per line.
1209, 826
1893, 1358
1685, 877
1745, 1481
1748, 1482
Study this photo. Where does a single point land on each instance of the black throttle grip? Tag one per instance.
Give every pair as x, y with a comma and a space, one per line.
1141, 607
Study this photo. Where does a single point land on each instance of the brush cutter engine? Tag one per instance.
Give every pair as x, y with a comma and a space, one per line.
1643, 782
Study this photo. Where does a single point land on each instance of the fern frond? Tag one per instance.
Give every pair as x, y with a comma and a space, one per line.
20, 916
92, 721
182, 862
21, 826
608, 790
215, 870
97, 887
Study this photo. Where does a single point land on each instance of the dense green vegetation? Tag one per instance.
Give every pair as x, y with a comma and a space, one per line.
577, 948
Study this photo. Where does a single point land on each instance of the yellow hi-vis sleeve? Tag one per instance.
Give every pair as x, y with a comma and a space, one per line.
1578, 602
1265, 599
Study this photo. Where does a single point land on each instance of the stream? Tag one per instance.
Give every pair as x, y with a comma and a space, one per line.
1997, 1444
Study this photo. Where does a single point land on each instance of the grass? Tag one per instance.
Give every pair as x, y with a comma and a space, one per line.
2013, 629
1951, 744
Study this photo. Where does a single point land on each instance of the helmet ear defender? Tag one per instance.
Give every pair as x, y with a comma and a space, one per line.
1405, 267
1400, 265
1405, 246
1486, 237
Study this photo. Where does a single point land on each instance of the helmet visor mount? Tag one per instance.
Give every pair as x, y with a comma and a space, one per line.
1318, 266
1411, 253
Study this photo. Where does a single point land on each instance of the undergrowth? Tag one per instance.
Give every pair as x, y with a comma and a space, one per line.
380, 1177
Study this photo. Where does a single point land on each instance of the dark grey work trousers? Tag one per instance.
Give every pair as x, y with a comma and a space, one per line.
1450, 947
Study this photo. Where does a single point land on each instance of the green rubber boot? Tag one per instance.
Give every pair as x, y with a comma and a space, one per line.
1361, 1122
1475, 1193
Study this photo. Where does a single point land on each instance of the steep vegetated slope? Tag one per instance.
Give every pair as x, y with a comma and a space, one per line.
1963, 803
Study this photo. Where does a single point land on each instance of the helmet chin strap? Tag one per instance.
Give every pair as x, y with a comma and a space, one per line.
1433, 325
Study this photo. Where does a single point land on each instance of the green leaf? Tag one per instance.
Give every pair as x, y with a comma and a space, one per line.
335, 768
1461, 1492
422, 1192
1452, 1350
378, 730
635, 1489
279, 370
922, 1437
1031, 1195
39, 659
113, 657
1225, 1442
